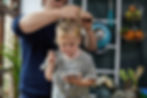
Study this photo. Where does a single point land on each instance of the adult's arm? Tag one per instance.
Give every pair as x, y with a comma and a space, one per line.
38, 20
91, 40
90, 36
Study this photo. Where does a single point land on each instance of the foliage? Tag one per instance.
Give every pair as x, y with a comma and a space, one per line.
131, 76
13, 55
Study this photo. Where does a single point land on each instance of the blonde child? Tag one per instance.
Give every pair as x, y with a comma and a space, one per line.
71, 69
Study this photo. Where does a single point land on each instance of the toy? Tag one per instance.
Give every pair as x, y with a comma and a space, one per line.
105, 80
130, 35
110, 14
103, 35
104, 86
133, 13
131, 30
139, 35
133, 35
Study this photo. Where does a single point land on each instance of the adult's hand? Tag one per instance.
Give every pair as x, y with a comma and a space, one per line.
40, 19
87, 20
90, 39
70, 12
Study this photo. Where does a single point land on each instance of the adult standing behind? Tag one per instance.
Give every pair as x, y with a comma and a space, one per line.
36, 33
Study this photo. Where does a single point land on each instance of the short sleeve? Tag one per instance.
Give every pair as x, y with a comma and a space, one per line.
18, 31
16, 27
91, 70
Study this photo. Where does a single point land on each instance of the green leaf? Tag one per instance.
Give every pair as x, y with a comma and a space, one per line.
123, 75
132, 76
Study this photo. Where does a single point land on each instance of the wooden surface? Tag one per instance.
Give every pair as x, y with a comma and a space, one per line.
1, 26
1, 35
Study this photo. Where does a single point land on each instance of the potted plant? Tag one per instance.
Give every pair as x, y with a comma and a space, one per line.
130, 79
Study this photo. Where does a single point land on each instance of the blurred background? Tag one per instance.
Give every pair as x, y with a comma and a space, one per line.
120, 26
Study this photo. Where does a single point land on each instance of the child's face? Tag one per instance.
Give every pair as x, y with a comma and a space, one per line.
68, 44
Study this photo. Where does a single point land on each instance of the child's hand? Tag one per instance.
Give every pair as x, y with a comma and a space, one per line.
51, 58
51, 65
73, 79
79, 81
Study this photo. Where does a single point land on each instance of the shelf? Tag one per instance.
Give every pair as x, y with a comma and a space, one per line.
105, 21
111, 47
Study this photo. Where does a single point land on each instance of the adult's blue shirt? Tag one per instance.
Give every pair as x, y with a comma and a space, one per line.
34, 50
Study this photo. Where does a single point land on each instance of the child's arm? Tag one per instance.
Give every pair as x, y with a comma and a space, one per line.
90, 76
51, 66
49, 72
85, 82
79, 81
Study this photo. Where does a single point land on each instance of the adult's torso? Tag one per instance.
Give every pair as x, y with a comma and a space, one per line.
34, 50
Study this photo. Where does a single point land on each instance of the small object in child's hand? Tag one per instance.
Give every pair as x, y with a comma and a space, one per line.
72, 76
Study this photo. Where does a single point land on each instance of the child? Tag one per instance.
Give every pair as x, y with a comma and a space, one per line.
71, 69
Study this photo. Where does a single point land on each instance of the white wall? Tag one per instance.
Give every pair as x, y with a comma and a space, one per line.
8, 43
29, 6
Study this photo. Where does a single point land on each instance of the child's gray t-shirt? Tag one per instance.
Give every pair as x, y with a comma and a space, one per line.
82, 65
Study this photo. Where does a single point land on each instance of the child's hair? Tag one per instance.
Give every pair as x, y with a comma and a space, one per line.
68, 26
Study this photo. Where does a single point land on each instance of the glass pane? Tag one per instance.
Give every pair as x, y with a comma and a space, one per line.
78, 2
101, 8
98, 8
105, 60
